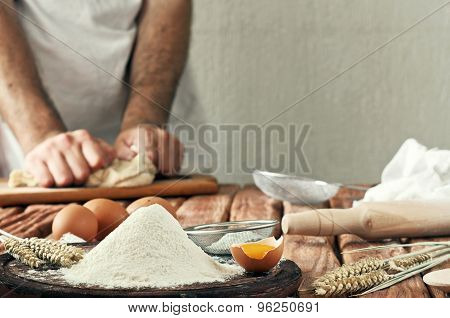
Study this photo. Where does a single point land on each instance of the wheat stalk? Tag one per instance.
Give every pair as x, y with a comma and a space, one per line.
22, 253
9, 235
382, 247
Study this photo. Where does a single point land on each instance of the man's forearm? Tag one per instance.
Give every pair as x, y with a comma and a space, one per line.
158, 60
23, 102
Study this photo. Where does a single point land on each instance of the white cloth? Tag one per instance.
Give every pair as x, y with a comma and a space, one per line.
103, 31
415, 172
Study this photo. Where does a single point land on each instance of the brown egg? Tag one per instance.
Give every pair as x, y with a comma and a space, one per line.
109, 215
147, 201
77, 220
260, 256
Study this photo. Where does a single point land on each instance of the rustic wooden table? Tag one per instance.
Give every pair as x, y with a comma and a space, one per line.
314, 255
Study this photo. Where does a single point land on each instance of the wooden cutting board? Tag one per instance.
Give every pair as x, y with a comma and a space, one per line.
178, 186
282, 281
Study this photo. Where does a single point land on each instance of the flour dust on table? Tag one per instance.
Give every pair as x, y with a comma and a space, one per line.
149, 249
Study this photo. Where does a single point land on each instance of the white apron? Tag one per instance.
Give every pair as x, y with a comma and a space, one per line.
85, 96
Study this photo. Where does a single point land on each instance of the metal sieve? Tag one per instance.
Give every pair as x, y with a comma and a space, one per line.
216, 238
296, 189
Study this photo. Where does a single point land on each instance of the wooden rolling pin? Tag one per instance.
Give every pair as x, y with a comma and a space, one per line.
374, 220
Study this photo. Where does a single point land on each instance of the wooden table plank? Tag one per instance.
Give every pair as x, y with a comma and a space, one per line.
412, 287
250, 203
344, 198
203, 209
313, 254
35, 220
5, 213
8, 216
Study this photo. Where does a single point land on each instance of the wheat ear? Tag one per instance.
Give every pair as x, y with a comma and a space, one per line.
408, 273
73, 252
54, 252
403, 264
350, 285
371, 264
360, 267
22, 253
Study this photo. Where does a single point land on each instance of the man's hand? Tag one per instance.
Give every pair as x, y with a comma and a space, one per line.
68, 158
162, 148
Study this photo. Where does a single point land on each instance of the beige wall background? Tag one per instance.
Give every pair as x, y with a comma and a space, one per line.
251, 59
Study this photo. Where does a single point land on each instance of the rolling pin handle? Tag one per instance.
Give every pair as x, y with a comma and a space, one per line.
322, 222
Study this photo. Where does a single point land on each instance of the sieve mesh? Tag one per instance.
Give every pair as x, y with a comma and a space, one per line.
217, 238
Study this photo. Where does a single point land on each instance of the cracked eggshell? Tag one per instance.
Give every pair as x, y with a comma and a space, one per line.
266, 260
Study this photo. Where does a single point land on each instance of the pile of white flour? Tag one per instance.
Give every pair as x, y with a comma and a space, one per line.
149, 249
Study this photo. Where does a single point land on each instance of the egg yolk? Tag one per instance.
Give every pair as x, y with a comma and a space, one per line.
255, 250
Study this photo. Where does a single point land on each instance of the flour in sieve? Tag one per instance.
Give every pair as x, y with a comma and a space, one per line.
149, 249
234, 238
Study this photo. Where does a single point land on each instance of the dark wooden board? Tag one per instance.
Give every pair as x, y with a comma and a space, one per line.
282, 281
177, 186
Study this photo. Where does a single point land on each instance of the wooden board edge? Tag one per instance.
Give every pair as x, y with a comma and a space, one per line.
289, 275
181, 187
